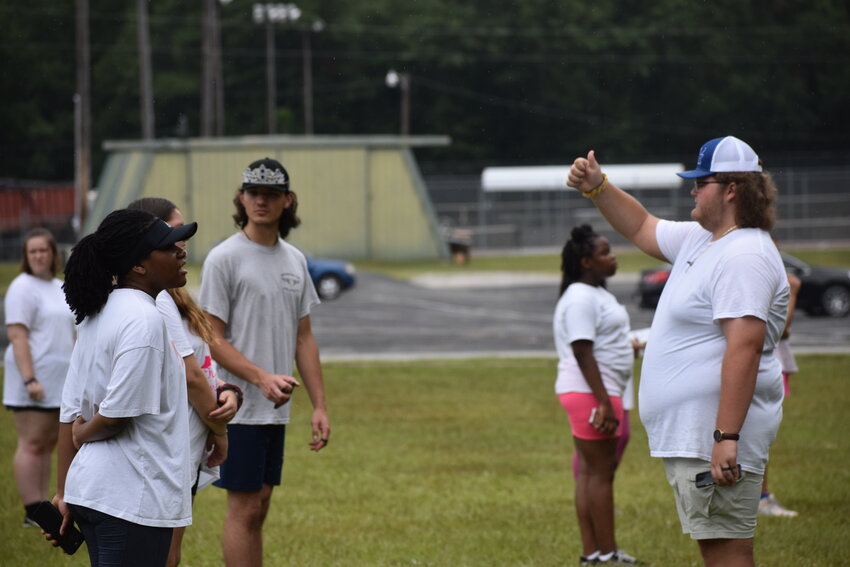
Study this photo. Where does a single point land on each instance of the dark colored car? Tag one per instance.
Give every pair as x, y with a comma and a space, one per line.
331, 277
824, 291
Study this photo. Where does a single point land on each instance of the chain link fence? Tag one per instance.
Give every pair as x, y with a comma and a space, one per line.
813, 210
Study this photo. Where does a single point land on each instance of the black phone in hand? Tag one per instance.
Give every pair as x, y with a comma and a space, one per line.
704, 479
49, 518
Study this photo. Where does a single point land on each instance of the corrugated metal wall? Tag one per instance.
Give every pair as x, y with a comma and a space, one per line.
401, 218
333, 196
358, 197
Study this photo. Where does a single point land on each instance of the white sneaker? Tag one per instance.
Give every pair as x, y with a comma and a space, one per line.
620, 557
770, 506
29, 522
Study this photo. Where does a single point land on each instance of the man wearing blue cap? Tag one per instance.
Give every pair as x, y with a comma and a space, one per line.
711, 389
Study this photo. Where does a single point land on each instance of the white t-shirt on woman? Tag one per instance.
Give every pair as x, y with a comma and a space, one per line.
592, 313
40, 306
188, 343
124, 366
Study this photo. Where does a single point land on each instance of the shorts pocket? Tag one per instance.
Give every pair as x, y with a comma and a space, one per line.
698, 501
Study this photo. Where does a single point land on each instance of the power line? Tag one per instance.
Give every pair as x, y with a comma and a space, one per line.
436, 27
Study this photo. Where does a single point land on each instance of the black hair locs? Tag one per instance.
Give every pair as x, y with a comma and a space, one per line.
91, 268
580, 245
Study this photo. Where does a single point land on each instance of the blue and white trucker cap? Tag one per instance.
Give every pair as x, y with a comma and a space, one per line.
723, 154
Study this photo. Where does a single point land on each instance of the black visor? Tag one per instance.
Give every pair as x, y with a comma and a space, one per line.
158, 235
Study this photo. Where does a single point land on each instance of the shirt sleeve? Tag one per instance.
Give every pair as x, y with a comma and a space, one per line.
174, 323
309, 297
580, 314
134, 387
71, 392
214, 298
21, 304
135, 380
744, 286
671, 235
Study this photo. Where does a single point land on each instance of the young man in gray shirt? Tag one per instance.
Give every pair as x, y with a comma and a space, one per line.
257, 293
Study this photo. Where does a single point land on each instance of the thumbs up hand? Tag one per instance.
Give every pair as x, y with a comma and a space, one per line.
585, 173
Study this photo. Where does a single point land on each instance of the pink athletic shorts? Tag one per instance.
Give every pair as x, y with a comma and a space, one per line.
579, 405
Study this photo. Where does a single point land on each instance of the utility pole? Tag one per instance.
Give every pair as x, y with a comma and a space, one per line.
145, 69
405, 103
206, 74
218, 72
271, 14
82, 103
307, 56
402, 81
212, 76
271, 79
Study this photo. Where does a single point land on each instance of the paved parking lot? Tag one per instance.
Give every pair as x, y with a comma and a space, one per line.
487, 315
482, 315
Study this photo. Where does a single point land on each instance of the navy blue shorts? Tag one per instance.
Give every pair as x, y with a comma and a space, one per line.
113, 541
254, 457
32, 408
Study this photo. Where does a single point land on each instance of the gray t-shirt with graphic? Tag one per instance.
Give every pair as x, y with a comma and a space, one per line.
260, 293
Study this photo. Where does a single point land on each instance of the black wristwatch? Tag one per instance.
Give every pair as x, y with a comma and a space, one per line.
722, 436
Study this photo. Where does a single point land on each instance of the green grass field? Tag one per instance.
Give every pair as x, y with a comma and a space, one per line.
465, 463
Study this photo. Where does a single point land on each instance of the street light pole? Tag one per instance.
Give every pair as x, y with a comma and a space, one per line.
404, 85
270, 14
82, 122
212, 76
307, 55
145, 71
402, 81
271, 80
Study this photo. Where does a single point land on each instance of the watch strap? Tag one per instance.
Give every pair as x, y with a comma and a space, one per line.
720, 435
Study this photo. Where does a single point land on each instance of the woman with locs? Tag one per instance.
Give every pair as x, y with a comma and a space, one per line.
596, 358
40, 328
124, 471
213, 403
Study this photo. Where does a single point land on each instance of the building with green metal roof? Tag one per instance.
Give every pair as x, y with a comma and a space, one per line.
359, 196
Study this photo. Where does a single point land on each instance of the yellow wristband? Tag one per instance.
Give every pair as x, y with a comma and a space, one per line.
599, 189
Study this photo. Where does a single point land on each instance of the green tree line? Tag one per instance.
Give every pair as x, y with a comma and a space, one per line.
530, 81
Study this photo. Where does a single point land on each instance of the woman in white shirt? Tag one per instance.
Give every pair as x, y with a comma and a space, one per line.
213, 403
124, 472
595, 363
40, 328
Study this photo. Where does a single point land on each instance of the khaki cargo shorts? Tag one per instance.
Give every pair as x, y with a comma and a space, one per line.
713, 512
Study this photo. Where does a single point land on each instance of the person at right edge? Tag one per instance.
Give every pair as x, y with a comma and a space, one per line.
768, 504
711, 388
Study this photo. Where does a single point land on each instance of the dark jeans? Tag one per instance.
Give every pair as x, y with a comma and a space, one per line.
113, 542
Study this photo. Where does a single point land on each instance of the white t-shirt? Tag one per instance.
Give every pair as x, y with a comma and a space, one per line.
188, 343
123, 365
739, 275
586, 312
40, 306
260, 293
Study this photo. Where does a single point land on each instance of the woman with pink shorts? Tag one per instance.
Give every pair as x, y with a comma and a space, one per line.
595, 362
